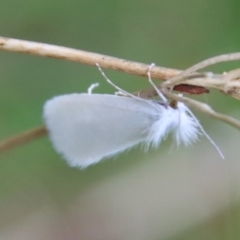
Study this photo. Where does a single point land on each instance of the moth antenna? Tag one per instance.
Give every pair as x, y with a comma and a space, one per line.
112, 84
205, 133
119, 93
120, 90
93, 86
152, 83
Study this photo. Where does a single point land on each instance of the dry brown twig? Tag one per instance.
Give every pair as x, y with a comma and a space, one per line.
227, 82
186, 81
23, 138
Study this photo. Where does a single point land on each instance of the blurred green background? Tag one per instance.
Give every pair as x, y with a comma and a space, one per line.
164, 194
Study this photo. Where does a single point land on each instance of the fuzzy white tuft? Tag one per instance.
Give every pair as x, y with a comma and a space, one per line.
165, 122
188, 130
184, 127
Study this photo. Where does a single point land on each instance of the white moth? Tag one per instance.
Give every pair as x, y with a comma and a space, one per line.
86, 128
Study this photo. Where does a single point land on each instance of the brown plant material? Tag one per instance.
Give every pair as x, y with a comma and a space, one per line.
23, 138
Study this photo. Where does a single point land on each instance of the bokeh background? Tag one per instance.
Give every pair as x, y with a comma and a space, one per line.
169, 193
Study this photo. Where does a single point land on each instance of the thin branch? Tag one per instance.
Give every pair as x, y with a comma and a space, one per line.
208, 62
89, 58
23, 138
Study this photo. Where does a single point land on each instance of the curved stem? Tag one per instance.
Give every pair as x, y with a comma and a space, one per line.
23, 138
89, 58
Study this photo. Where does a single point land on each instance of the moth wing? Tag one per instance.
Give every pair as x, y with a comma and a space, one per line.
86, 128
